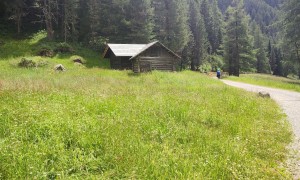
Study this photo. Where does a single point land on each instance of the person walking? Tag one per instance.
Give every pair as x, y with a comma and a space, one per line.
219, 73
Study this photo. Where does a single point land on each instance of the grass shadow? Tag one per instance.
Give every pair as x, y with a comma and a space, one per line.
294, 83
132, 74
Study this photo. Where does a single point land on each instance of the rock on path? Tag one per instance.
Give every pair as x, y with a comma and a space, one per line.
290, 103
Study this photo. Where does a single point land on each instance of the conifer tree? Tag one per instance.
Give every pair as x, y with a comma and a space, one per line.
16, 10
48, 16
69, 19
238, 49
292, 28
261, 58
140, 15
206, 12
83, 21
198, 41
217, 26
171, 23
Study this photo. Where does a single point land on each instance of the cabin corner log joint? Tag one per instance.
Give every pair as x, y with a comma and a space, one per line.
141, 57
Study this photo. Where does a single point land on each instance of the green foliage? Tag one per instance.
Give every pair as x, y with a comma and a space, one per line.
38, 37
239, 55
171, 23
98, 43
212, 20
193, 29
291, 32
205, 67
262, 64
140, 15
45, 51
31, 63
196, 49
215, 61
27, 63
63, 48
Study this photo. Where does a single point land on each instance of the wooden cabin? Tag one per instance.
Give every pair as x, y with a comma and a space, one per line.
141, 57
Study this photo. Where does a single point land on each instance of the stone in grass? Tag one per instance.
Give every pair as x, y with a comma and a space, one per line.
264, 94
78, 59
60, 68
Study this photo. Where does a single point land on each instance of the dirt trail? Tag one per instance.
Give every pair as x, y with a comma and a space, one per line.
290, 103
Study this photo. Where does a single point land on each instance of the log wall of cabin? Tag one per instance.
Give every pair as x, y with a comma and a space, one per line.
120, 63
155, 58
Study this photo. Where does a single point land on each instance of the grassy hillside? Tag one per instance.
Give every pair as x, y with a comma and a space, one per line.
13, 49
94, 123
269, 81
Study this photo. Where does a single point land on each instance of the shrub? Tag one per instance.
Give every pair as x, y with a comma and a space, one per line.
24, 62
42, 63
206, 67
216, 61
30, 63
64, 48
46, 51
27, 63
97, 43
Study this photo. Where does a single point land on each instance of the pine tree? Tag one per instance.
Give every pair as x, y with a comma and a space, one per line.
83, 21
94, 16
140, 15
171, 23
217, 26
198, 44
69, 19
16, 10
238, 49
261, 58
292, 28
49, 15
206, 12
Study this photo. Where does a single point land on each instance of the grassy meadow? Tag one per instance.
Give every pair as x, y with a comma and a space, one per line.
269, 81
94, 123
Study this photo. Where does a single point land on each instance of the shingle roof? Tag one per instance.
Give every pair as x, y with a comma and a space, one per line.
151, 44
127, 50
132, 50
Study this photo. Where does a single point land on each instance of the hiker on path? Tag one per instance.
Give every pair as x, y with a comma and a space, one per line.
219, 73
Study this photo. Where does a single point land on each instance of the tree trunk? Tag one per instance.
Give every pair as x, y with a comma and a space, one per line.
193, 68
237, 58
19, 20
167, 21
298, 58
48, 19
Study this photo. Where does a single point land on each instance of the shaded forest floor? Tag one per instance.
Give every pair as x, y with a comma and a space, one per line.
92, 122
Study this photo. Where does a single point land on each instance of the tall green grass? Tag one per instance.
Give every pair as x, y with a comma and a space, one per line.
269, 81
94, 123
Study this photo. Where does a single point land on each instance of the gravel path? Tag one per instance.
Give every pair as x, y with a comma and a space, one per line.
290, 103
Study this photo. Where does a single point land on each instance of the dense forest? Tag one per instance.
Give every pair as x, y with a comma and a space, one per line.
239, 36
